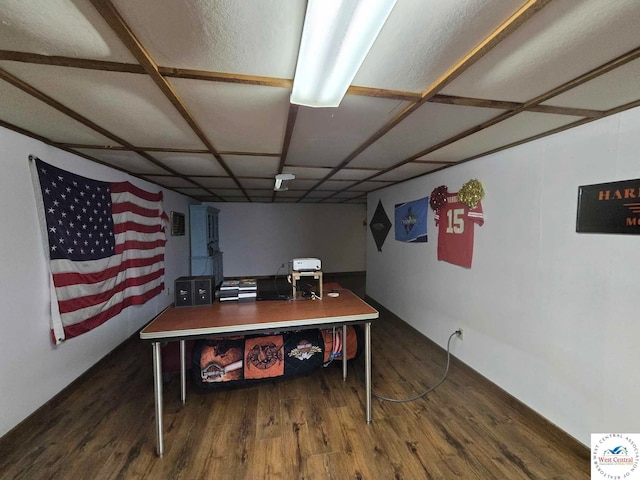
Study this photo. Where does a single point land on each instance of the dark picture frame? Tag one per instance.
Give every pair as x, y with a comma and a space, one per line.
609, 208
177, 223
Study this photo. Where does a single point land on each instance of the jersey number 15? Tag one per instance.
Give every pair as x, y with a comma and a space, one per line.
455, 220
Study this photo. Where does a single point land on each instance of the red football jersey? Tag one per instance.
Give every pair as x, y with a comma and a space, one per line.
455, 222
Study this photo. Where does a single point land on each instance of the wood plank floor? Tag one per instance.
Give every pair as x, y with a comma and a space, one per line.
311, 427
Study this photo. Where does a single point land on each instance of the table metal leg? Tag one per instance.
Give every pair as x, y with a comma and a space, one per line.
183, 374
344, 353
367, 366
157, 388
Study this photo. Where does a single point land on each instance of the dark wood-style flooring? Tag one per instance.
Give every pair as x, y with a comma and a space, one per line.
311, 427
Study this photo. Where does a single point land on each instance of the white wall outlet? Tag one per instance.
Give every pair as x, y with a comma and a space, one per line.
460, 332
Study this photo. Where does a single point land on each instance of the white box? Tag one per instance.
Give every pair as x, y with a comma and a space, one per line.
306, 264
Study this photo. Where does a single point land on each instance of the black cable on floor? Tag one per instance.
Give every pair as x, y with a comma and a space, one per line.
422, 394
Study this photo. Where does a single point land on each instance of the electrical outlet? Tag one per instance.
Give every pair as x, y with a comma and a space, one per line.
460, 333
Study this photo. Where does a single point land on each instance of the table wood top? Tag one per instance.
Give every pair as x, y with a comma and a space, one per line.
242, 317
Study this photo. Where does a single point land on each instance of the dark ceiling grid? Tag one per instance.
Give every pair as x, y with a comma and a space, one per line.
503, 31
122, 30
532, 105
431, 94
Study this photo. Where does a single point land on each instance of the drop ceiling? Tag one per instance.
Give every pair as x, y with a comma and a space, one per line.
194, 95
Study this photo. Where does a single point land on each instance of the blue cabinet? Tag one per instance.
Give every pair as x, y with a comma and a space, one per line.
206, 257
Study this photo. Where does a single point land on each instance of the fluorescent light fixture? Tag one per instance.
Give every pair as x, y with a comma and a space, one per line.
336, 38
280, 179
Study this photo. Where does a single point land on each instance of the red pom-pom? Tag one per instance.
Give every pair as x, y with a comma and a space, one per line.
438, 198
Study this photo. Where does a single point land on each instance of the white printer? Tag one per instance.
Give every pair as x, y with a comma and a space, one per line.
306, 264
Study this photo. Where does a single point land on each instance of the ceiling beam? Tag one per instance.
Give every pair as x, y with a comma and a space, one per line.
126, 35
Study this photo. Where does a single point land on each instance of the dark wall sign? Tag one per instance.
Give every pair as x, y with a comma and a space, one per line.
609, 208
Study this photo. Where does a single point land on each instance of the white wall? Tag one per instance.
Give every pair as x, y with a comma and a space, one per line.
549, 315
32, 370
257, 238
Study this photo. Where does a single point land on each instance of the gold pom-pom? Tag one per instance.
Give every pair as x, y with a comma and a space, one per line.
471, 193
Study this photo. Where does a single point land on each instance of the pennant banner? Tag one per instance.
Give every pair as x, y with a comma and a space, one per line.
411, 221
380, 226
105, 243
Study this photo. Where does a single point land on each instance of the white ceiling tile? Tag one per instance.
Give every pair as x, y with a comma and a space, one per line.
193, 191
406, 171
422, 39
301, 183
307, 172
216, 182
123, 159
253, 37
562, 41
240, 118
371, 185
170, 181
353, 174
70, 28
128, 105
290, 193
615, 88
518, 127
257, 183
252, 166
190, 163
431, 124
348, 194
334, 184
325, 136
24, 111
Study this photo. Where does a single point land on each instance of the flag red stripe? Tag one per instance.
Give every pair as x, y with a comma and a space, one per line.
130, 207
92, 322
122, 187
68, 306
137, 245
66, 279
136, 227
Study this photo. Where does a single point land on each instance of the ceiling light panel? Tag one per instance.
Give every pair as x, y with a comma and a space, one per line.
25, 111
559, 43
429, 125
251, 37
325, 136
60, 27
422, 39
336, 38
128, 105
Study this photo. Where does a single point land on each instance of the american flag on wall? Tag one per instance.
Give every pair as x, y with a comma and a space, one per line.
105, 243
